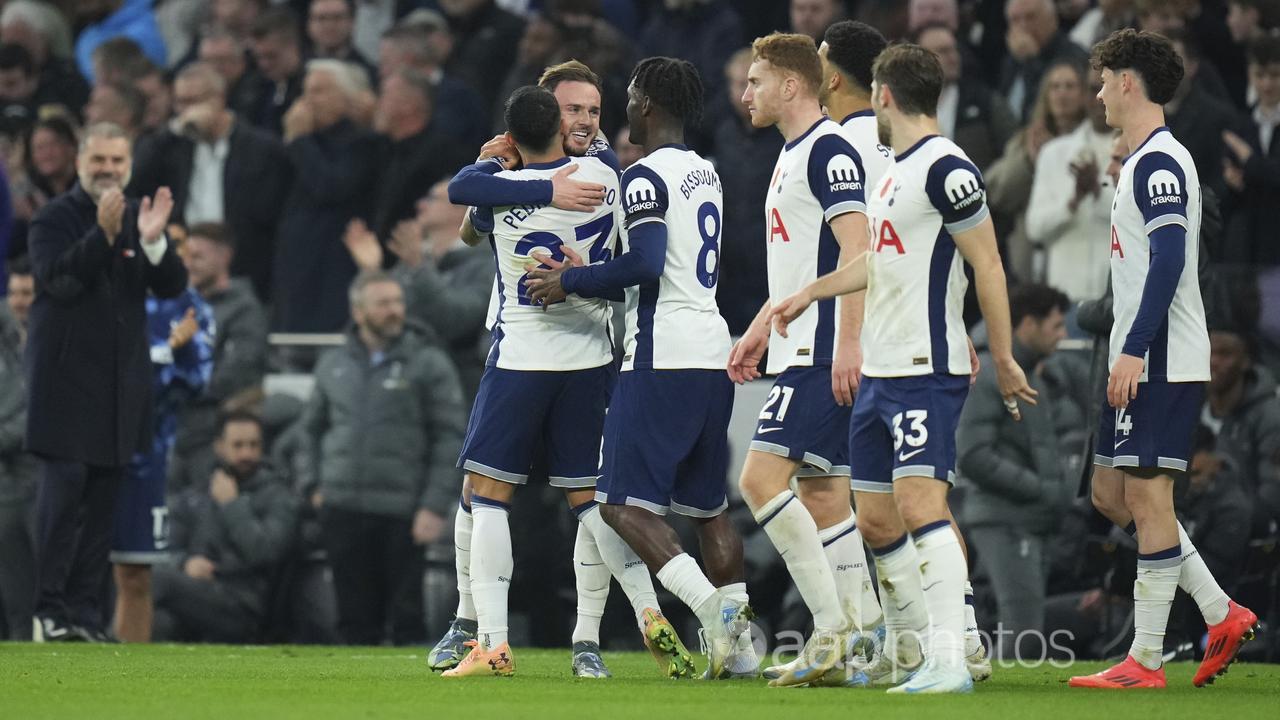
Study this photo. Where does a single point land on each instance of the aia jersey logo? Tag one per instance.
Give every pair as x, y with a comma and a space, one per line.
842, 174
641, 196
887, 238
1116, 249
962, 188
777, 229
1163, 188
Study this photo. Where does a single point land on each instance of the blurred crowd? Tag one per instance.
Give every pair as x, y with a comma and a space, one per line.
305, 141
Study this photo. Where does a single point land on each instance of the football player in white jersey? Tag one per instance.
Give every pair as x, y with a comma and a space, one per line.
1159, 363
815, 212
577, 89
666, 443
848, 50
916, 358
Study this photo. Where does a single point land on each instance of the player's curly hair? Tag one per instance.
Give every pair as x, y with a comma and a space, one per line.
671, 83
1150, 55
853, 47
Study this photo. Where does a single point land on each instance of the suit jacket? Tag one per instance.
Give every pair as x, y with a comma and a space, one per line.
1250, 237
409, 168
88, 362
983, 124
254, 181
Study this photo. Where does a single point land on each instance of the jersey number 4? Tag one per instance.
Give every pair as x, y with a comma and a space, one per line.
598, 232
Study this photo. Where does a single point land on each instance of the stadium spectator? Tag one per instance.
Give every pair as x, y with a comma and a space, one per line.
1059, 109
119, 60
239, 349
335, 166
118, 104
1251, 165
227, 54
1017, 487
626, 151
410, 46
1199, 113
1035, 44
1243, 413
374, 17
50, 162
277, 51
384, 425
220, 168
1247, 22
18, 84
17, 468
977, 119
134, 19
541, 45
1161, 16
95, 255
154, 86
447, 283
330, 24
236, 17
1100, 21
704, 32
1070, 205
44, 33
929, 13
416, 152
744, 157
813, 17
485, 37
229, 539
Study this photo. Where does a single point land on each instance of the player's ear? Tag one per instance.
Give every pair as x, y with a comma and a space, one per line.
507, 136
646, 105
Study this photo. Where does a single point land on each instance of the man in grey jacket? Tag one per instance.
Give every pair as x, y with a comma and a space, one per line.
384, 427
17, 468
1016, 486
229, 538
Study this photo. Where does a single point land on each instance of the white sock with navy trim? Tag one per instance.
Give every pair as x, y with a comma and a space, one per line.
462, 523
491, 567
591, 579
1153, 591
942, 576
623, 563
793, 532
842, 544
682, 576
898, 569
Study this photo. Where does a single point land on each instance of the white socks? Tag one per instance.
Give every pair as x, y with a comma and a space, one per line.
1200, 584
682, 576
943, 575
491, 567
972, 640
898, 568
793, 532
623, 563
1153, 592
744, 658
1196, 580
842, 544
462, 522
592, 580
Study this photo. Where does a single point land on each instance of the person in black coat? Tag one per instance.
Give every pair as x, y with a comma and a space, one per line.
210, 145
95, 256
335, 165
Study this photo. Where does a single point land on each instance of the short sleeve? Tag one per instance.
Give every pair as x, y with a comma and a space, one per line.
644, 196
601, 150
1160, 190
836, 176
956, 191
482, 219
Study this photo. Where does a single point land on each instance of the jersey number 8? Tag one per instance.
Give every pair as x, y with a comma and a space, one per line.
709, 257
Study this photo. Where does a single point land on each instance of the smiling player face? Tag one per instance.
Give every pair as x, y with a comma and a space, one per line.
579, 115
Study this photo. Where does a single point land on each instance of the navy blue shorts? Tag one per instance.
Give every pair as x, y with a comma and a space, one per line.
905, 427
520, 414
1155, 431
140, 535
802, 421
666, 442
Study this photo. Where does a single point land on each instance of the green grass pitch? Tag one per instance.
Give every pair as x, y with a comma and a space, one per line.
92, 682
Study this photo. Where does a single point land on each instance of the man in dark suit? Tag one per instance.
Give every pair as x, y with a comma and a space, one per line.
1251, 167
277, 51
416, 152
95, 256
1035, 42
221, 170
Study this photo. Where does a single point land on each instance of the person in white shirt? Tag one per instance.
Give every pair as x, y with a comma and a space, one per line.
1070, 207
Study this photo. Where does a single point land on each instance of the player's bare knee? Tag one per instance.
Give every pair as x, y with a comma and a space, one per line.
491, 488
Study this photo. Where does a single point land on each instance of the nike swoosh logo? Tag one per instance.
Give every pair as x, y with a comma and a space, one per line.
1123, 442
904, 607
903, 457
761, 430
930, 587
590, 564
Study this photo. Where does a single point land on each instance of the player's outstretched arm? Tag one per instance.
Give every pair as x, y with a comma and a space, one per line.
854, 238
850, 278
978, 246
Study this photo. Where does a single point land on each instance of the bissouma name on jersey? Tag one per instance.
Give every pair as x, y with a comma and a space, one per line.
698, 178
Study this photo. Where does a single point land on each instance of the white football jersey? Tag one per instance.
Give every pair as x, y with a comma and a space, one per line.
674, 322
860, 130
916, 281
1158, 186
572, 335
819, 176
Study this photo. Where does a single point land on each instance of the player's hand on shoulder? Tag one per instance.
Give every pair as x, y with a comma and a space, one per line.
1122, 385
502, 148
1013, 385
570, 194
